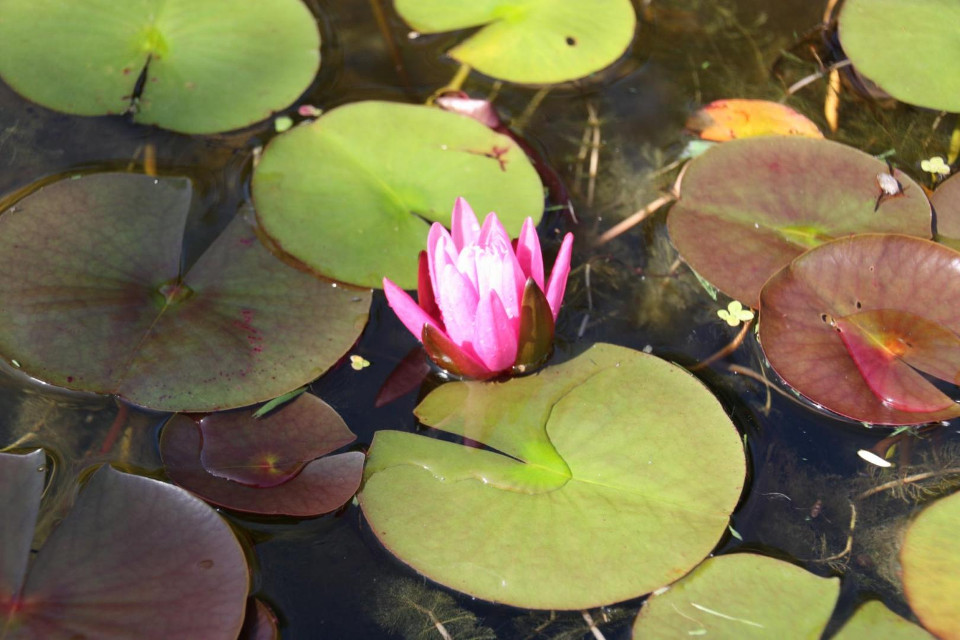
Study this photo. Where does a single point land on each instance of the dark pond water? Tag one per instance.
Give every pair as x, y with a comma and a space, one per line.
329, 577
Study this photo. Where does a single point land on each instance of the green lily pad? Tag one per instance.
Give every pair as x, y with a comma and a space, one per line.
742, 595
748, 207
591, 490
930, 558
352, 194
946, 204
211, 65
133, 558
529, 41
852, 323
874, 620
907, 47
93, 299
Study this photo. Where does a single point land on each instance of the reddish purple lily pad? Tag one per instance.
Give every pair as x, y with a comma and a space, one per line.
946, 204
851, 324
135, 557
265, 452
21, 485
93, 299
321, 486
260, 622
748, 207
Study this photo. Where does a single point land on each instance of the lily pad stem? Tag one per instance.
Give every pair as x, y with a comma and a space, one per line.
455, 84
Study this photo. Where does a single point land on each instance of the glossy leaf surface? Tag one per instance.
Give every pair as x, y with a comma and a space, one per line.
907, 47
352, 195
741, 595
321, 486
748, 207
930, 557
585, 469
849, 324
269, 451
211, 65
94, 299
529, 41
135, 557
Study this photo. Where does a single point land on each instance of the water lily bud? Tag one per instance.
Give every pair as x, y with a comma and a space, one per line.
485, 308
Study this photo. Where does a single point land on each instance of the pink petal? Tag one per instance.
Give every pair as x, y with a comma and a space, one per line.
464, 225
495, 341
480, 110
498, 274
557, 285
492, 234
458, 303
528, 253
425, 287
438, 240
495, 241
411, 315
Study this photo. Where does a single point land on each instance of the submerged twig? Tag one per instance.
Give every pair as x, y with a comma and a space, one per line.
899, 482
849, 546
726, 350
392, 47
593, 627
442, 630
635, 219
750, 373
114, 432
586, 317
813, 77
521, 122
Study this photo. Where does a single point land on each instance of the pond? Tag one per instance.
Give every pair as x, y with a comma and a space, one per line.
146, 268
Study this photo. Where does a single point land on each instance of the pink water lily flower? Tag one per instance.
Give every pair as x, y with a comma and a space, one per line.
485, 308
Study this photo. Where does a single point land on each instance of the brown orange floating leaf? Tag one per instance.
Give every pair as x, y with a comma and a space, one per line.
724, 120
